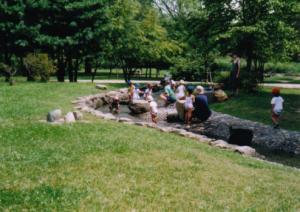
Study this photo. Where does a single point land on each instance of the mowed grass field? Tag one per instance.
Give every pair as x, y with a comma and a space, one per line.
103, 165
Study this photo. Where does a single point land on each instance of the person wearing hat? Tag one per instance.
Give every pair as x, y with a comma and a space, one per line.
277, 106
180, 91
201, 108
153, 109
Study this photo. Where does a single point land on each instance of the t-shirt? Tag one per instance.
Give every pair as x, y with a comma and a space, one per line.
153, 107
136, 94
180, 91
170, 92
148, 92
278, 103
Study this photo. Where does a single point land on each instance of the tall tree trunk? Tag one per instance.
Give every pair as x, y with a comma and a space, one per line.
126, 74
261, 69
110, 71
87, 66
70, 69
150, 72
157, 73
76, 68
61, 69
146, 74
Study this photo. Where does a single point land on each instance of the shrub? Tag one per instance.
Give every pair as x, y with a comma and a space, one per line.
39, 66
222, 77
283, 67
8, 72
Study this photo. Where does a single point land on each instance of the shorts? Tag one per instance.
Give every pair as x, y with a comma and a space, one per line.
171, 99
277, 112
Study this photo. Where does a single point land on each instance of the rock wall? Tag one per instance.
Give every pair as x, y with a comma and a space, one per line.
218, 126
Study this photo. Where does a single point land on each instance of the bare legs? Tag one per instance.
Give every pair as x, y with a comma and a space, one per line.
188, 116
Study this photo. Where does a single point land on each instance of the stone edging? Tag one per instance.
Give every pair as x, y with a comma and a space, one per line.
89, 103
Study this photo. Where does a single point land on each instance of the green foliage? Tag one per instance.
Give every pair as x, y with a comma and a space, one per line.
39, 66
222, 77
283, 67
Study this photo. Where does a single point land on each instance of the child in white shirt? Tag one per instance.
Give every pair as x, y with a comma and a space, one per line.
153, 109
277, 106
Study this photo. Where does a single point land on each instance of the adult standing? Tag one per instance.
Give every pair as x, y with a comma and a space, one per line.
235, 74
201, 109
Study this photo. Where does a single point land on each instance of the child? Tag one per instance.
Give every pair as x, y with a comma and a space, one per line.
114, 107
277, 106
137, 92
188, 105
148, 91
153, 109
131, 90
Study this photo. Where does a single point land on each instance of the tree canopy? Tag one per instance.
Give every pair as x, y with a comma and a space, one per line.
184, 35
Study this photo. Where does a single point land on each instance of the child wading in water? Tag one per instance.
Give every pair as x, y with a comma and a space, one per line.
131, 90
277, 106
188, 106
153, 109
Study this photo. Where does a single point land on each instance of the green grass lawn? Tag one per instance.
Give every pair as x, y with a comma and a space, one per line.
103, 165
281, 78
257, 107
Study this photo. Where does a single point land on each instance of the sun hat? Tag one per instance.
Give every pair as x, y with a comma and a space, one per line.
199, 89
181, 82
276, 91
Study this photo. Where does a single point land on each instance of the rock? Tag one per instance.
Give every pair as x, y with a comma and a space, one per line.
109, 116
139, 106
78, 115
219, 126
54, 115
246, 150
180, 109
172, 117
69, 118
220, 95
221, 144
99, 103
123, 90
124, 120
101, 87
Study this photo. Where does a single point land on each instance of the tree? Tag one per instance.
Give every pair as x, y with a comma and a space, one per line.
68, 31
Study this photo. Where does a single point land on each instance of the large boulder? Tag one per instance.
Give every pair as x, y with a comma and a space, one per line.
78, 115
54, 115
220, 95
101, 87
70, 118
180, 109
139, 106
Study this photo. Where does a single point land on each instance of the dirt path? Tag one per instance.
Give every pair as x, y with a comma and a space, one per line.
282, 85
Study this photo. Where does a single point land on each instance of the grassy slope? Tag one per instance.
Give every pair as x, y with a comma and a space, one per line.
257, 107
107, 165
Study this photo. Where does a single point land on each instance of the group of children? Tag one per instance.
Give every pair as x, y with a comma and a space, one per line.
172, 93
